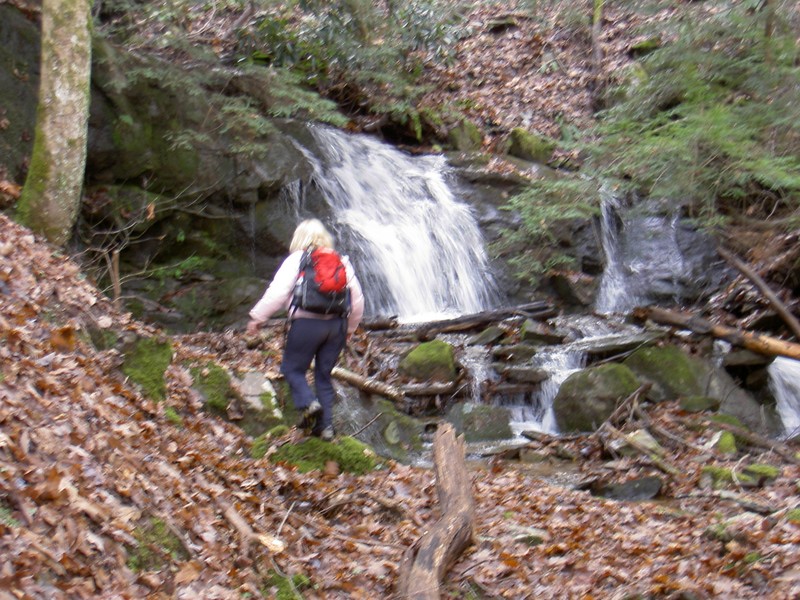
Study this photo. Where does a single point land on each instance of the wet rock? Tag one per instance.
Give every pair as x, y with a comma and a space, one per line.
480, 422
515, 353
522, 374
488, 336
642, 488
598, 348
536, 332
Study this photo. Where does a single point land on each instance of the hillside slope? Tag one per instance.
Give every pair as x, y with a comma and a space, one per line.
103, 496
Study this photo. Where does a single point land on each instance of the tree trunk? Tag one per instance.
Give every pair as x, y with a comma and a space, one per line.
779, 306
51, 197
758, 343
425, 563
597, 52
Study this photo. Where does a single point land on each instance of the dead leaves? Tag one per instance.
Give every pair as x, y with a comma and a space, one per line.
85, 461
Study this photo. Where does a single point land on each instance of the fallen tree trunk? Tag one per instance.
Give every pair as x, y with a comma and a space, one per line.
426, 561
779, 306
372, 386
534, 310
755, 342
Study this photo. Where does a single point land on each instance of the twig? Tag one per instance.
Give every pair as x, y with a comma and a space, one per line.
370, 422
779, 306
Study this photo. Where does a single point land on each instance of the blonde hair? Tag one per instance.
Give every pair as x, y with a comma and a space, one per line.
311, 233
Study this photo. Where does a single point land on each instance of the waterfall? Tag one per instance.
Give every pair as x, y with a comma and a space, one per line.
644, 261
418, 249
784, 381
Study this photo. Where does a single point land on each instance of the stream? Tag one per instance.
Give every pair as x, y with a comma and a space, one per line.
421, 257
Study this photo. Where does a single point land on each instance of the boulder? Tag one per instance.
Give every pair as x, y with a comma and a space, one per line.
430, 361
465, 136
588, 397
675, 374
642, 488
529, 145
480, 422
538, 333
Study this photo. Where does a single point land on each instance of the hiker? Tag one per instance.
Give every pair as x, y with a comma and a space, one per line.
316, 332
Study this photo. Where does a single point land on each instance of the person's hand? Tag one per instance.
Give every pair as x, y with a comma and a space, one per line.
252, 327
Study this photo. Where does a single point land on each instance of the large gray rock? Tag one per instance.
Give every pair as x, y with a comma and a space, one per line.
675, 374
19, 85
587, 398
480, 422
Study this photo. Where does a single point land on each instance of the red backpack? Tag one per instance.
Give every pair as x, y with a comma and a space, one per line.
322, 284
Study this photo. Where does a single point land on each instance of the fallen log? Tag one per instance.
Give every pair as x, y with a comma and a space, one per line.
779, 306
759, 441
373, 386
533, 310
426, 561
755, 342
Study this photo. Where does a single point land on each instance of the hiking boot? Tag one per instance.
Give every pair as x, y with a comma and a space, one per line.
310, 414
327, 434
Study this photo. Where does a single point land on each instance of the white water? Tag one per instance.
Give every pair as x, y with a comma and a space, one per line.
418, 246
784, 381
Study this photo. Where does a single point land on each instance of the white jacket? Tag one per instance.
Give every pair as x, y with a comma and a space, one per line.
279, 293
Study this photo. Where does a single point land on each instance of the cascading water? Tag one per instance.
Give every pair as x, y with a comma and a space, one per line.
644, 262
784, 381
420, 251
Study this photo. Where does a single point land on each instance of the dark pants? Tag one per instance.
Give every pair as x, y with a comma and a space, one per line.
320, 340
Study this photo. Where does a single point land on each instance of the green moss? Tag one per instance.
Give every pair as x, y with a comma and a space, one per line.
669, 368
696, 404
268, 401
762, 472
312, 454
261, 443
719, 477
530, 146
145, 364
214, 383
173, 416
430, 361
727, 420
284, 588
727, 443
157, 546
794, 515
5, 515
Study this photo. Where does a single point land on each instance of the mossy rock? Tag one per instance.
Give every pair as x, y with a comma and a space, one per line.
313, 454
214, 383
430, 361
145, 363
727, 420
465, 136
587, 398
281, 587
644, 47
762, 472
715, 477
262, 442
480, 422
670, 370
490, 335
156, 545
695, 404
530, 146
726, 443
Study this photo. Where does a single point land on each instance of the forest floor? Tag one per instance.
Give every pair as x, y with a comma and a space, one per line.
90, 469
